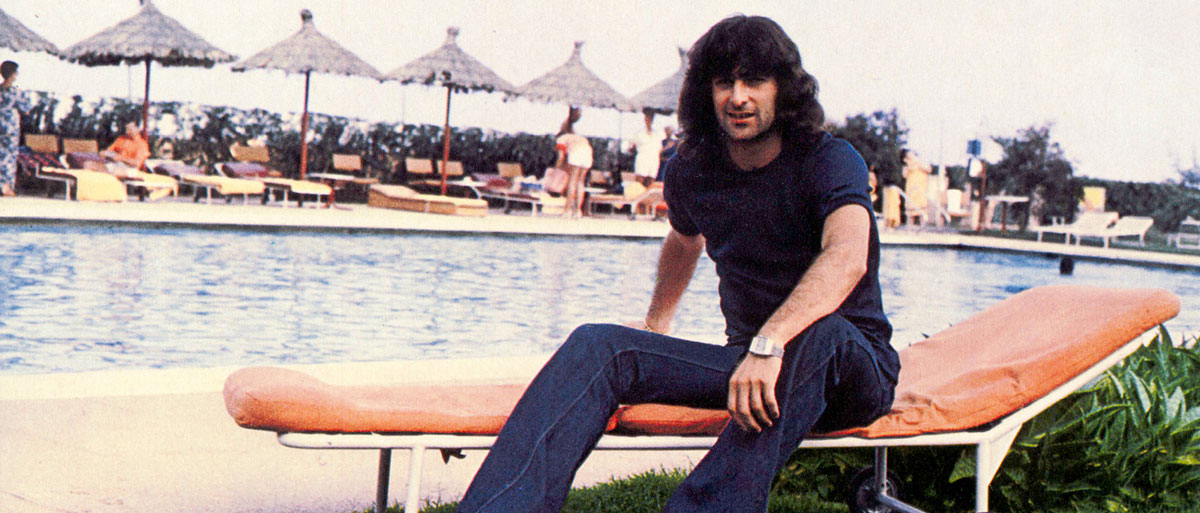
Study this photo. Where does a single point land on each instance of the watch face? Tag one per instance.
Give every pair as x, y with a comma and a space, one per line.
761, 345
764, 346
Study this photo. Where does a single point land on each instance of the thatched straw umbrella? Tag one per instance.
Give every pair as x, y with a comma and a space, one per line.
148, 36
451, 67
663, 97
307, 51
15, 36
574, 84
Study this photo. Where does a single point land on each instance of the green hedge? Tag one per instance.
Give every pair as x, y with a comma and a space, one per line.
202, 135
1167, 203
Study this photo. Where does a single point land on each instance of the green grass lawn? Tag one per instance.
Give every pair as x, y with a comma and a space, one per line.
648, 492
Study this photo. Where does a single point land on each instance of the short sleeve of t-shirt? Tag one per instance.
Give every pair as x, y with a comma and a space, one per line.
843, 179
681, 220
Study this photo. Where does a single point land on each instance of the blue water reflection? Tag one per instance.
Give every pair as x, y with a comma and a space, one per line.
93, 298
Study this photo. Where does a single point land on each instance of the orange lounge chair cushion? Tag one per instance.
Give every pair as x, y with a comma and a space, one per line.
284, 400
970, 374
980, 369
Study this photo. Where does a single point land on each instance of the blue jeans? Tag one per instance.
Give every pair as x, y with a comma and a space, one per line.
829, 381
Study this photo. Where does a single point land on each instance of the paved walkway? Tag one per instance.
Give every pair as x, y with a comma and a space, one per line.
138, 441
161, 441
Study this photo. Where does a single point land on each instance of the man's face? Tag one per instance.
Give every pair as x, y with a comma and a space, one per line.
131, 129
745, 106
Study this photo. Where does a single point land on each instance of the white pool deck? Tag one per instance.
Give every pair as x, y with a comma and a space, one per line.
160, 440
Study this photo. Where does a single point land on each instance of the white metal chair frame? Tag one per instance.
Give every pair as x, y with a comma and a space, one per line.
991, 444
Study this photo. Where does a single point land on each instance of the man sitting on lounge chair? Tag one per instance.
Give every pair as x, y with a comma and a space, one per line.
783, 210
129, 151
126, 157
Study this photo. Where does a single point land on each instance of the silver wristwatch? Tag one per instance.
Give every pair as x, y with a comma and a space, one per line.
763, 346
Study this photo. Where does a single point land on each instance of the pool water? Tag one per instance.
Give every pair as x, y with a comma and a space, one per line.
101, 298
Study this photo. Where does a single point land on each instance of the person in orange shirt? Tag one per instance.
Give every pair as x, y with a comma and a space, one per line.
127, 156
130, 149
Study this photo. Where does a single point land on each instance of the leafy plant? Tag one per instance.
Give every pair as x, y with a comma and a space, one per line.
1129, 442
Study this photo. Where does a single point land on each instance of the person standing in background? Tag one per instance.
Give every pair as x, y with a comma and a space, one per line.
647, 145
12, 103
574, 156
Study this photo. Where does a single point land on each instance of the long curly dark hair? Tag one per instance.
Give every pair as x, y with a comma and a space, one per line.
744, 46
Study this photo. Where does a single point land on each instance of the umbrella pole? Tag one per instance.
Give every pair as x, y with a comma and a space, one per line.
446, 141
146, 104
304, 129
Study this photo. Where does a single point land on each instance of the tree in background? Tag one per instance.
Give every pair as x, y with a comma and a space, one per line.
1034, 165
879, 137
1189, 177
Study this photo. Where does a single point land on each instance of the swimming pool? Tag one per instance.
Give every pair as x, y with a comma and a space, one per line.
80, 298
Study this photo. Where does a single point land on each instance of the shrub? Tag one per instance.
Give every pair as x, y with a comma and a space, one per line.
1128, 442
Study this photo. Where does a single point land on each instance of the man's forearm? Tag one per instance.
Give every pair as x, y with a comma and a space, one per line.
676, 264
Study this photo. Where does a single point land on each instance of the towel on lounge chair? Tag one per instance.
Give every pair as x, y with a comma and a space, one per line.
968, 375
247, 170
224, 185
90, 185
400, 197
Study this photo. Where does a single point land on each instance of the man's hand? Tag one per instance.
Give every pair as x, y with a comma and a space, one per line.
752, 401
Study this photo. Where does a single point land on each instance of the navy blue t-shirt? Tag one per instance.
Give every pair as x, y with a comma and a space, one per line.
763, 228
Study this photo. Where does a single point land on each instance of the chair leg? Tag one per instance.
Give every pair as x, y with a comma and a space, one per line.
412, 502
885, 497
381, 487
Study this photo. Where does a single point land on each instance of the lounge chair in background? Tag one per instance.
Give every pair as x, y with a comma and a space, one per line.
89, 185
253, 163
85, 154
510, 170
956, 210
40, 151
1009, 363
346, 174
509, 188
1188, 235
70, 145
196, 178
1131, 226
400, 197
639, 199
598, 177
418, 169
506, 177
1085, 222
454, 169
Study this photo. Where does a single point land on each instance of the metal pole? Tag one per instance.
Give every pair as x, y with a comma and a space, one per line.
412, 501
381, 487
304, 128
446, 140
982, 195
146, 104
